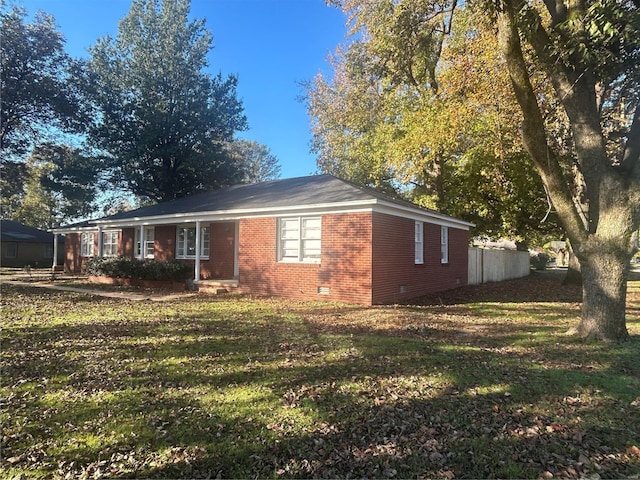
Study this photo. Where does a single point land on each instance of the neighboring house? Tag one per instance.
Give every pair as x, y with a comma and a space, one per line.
21, 245
314, 237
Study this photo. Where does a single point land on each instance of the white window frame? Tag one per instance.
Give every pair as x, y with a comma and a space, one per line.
181, 243
149, 242
444, 244
110, 240
419, 242
300, 239
87, 244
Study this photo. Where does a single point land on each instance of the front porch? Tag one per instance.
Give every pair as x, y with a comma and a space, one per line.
210, 247
217, 287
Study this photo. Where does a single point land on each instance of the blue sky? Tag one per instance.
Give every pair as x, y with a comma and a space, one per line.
271, 45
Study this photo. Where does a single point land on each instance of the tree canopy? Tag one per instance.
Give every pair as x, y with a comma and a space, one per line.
53, 185
163, 120
438, 116
41, 96
255, 161
42, 108
142, 118
573, 71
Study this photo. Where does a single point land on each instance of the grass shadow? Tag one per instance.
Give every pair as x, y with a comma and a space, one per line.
242, 388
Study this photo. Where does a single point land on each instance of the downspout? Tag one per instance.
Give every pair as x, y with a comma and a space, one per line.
197, 267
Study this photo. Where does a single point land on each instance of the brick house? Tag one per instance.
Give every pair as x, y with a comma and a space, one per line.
316, 237
21, 246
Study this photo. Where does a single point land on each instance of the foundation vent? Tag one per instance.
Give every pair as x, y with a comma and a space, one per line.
323, 290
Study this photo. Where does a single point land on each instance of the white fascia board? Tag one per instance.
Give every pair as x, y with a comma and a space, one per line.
90, 228
229, 215
421, 215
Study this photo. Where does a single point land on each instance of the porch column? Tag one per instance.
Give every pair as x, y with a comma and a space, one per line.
55, 252
197, 268
100, 242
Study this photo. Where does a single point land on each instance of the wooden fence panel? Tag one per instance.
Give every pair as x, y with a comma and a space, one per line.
488, 265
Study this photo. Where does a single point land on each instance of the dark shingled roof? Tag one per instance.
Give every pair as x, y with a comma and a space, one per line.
17, 232
312, 191
301, 191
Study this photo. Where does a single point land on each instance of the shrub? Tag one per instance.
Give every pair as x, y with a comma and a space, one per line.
120, 267
538, 261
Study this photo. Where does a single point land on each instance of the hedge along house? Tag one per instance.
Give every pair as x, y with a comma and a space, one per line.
316, 237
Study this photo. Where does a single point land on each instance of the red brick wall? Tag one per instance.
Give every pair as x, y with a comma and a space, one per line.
164, 246
344, 267
219, 265
352, 267
127, 243
73, 262
346, 256
221, 251
121, 244
396, 276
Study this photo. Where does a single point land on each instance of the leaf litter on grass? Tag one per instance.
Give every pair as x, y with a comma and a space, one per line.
473, 383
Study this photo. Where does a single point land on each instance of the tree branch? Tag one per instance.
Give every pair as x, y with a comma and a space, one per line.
557, 10
575, 86
533, 131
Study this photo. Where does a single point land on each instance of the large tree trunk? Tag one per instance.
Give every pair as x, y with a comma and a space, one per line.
601, 235
573, 276
604, 287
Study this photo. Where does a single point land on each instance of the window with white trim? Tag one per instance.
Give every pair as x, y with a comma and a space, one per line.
109, 244
419, 243
444, 244
149, 242
86, 245
300, 239
186, 243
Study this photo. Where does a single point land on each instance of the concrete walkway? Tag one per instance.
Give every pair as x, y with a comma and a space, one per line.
101, 293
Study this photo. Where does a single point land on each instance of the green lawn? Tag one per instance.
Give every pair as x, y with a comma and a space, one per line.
480, 382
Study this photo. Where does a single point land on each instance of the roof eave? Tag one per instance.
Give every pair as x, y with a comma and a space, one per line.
234, 214
417, 213
71, 229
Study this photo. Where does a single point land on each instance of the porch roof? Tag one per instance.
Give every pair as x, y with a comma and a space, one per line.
317, 193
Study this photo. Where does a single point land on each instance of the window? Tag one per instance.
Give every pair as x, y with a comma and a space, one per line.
444, 244
419, 242
48, 251
11, 249
187, 242
149, 242
86, 245
300, 239
109, 244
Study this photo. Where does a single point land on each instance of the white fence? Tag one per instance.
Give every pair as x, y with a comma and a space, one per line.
496, 265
